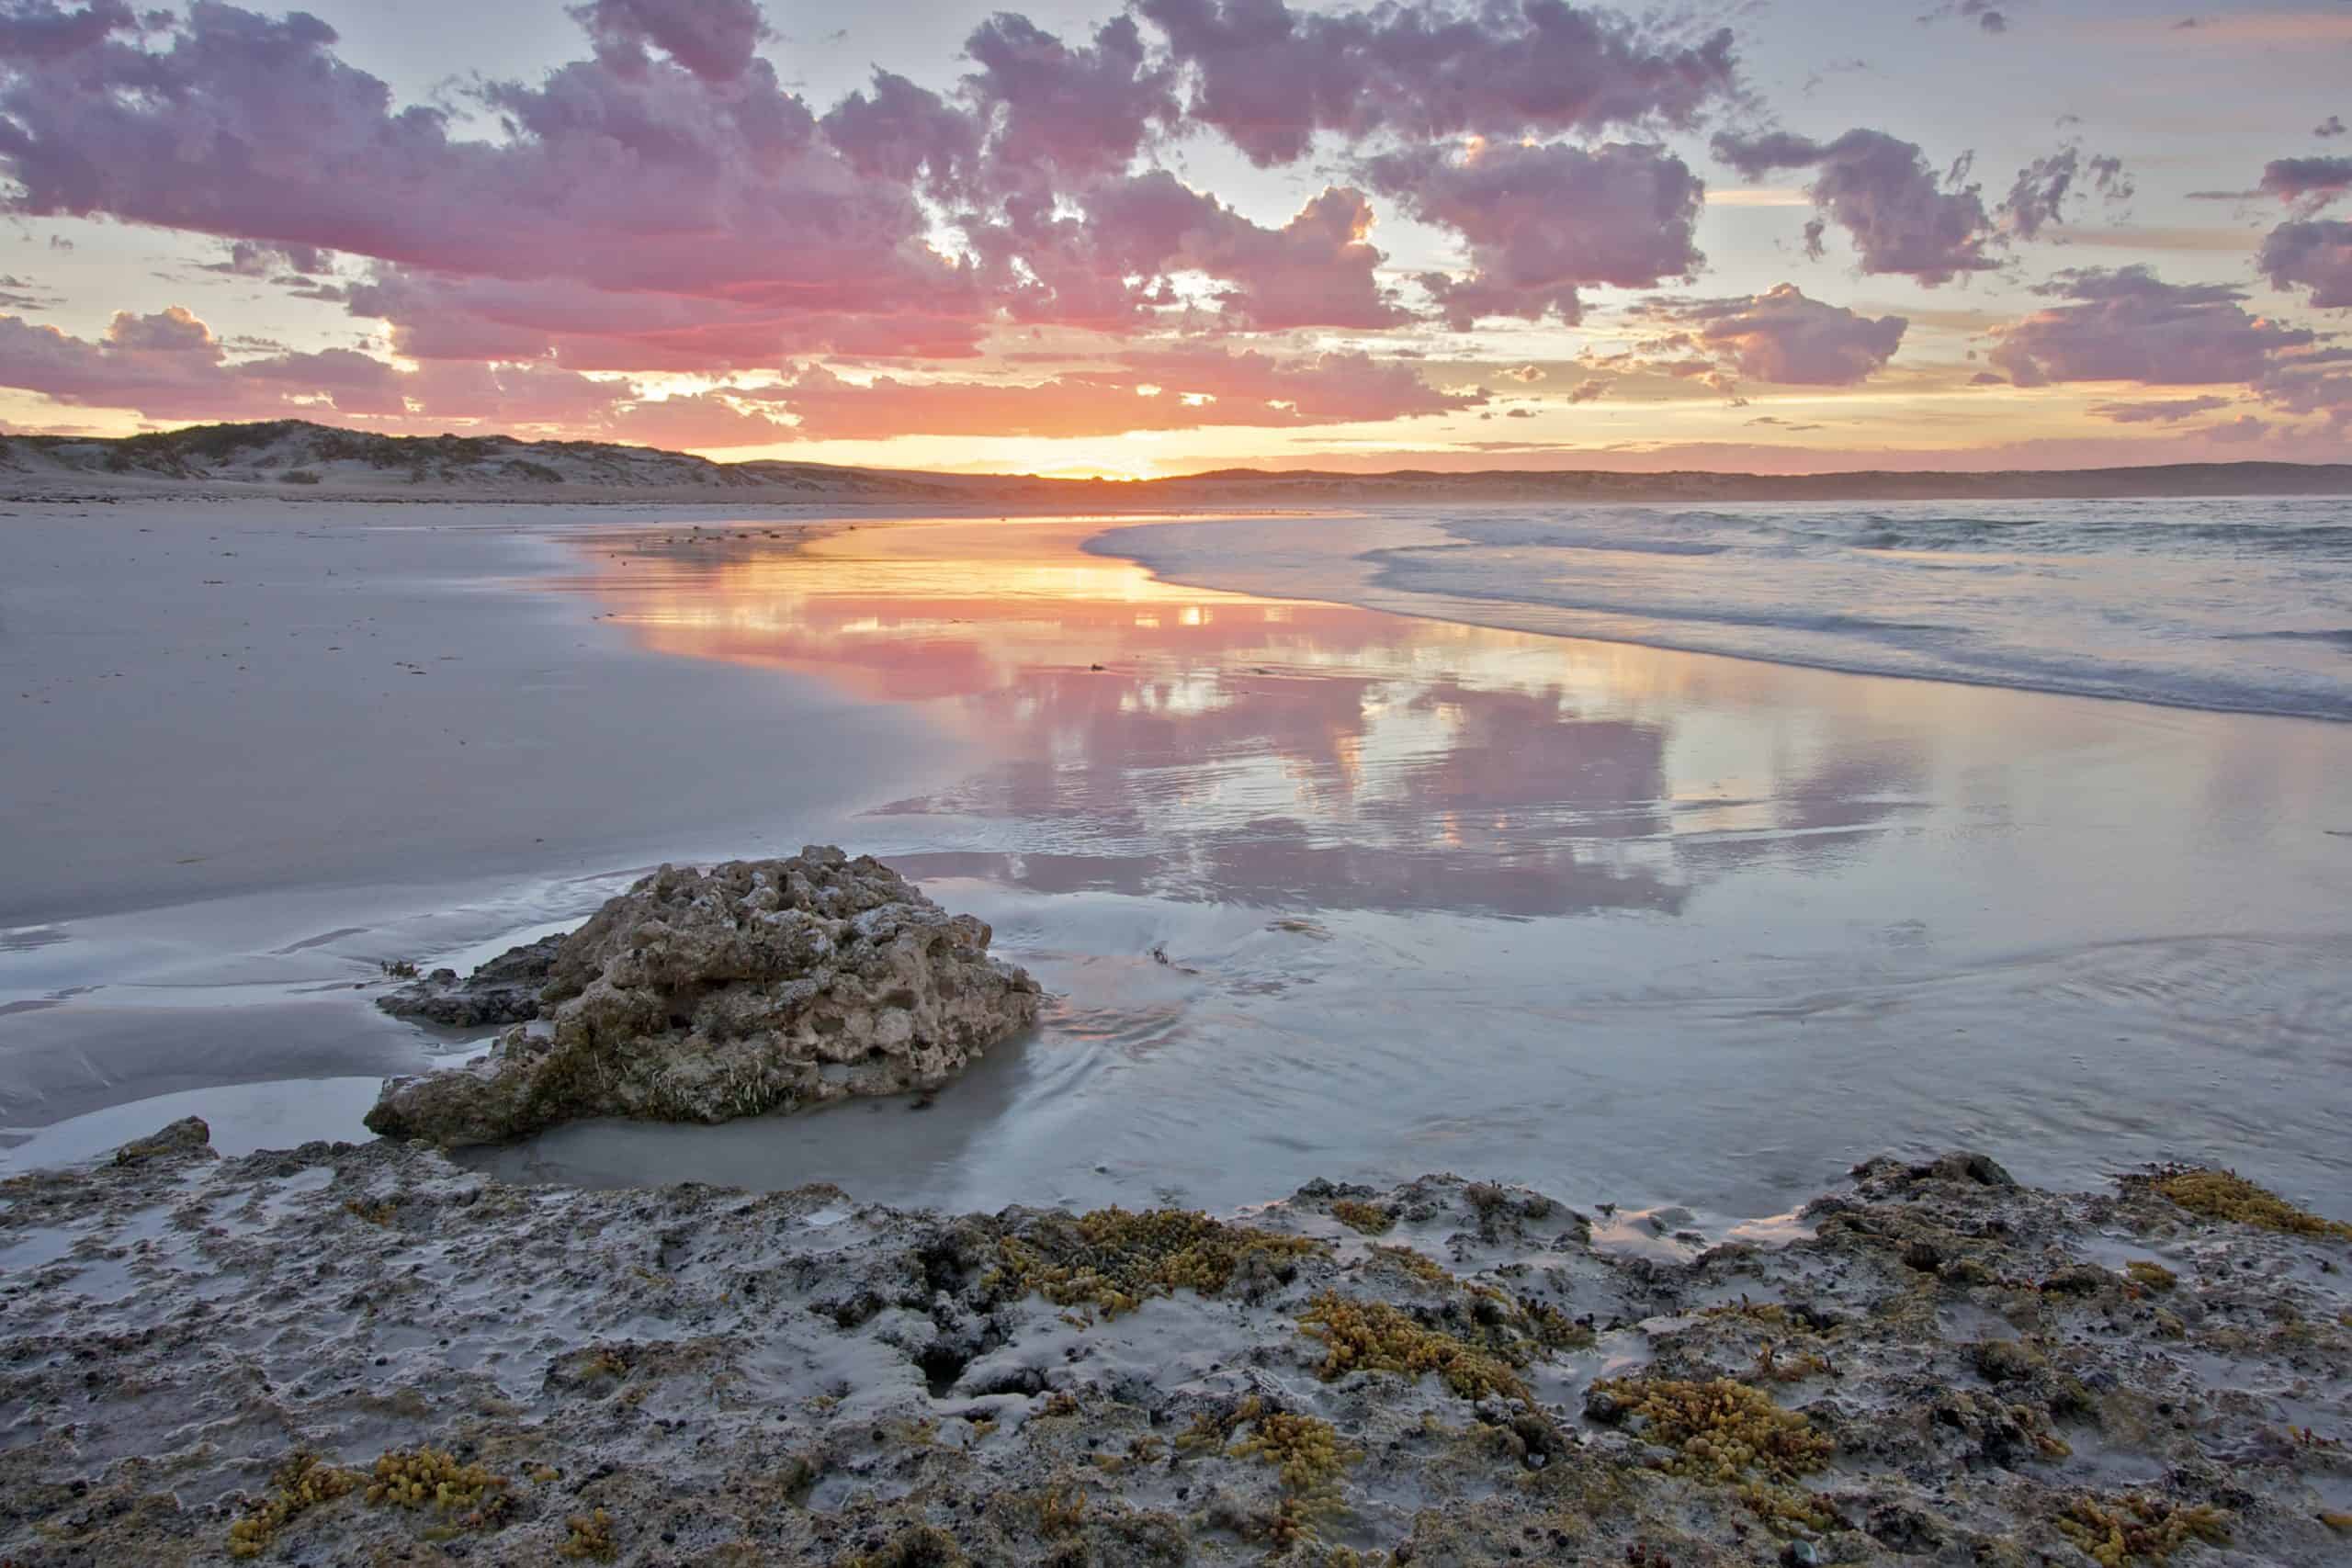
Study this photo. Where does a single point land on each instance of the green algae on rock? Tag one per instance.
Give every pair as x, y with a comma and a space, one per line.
1113, 1260
2225, 1195
757, 986
688, 1374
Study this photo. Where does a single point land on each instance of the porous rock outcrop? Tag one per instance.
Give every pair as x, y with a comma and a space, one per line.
756, 986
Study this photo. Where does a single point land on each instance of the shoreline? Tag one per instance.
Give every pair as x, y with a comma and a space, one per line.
1686, 901
1501, 612
1932, 1362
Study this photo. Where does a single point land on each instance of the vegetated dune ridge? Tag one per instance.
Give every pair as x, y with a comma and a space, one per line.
300, 460
366, 1354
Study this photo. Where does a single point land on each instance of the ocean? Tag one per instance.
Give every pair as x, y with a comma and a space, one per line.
2239, 603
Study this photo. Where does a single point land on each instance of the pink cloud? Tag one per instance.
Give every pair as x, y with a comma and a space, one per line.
1269, 77
1147, 389
1899, 215
2160, 411
1543, 222
169, 365
1782, 336
654, 180
2130, 325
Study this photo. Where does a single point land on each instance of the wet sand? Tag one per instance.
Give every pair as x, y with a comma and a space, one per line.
1325, 892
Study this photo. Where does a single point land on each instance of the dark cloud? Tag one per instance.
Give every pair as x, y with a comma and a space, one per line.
1883, 193
2038, 196
1082, 112
2331, 126
1543, 221
1099, 266
2128, 325
248, 258
39, 30
1988, 16
2310, 182
1269, 77
713, 39
2311, 380
2313, 253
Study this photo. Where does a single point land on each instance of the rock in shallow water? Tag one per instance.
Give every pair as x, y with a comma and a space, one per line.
505, 991
756, 986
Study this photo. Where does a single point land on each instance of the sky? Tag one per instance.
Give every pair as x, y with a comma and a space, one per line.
1783, 236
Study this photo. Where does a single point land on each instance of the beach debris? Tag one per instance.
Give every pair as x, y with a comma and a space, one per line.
756, 986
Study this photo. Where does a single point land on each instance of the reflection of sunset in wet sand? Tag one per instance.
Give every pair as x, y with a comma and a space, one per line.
1153, 737
1327, 891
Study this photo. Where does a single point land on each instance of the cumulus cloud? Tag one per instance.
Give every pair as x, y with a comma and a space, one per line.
1880, 191
1783, 337
907, 135
1543, 221
2038, 196
1527, 375
2314, 254
713, 39
169, 365
1080, 111
656, 180
1591, 387
42, 29
1270, 76
1120, 251
2331, 126
2126, 324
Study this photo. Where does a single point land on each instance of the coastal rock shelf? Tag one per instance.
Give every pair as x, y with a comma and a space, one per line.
357, 1354
757, 986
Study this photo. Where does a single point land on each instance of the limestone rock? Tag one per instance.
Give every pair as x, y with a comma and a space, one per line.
505, 991
756, 986
188, 1139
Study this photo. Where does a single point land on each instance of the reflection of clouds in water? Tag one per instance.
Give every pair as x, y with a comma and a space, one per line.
1177, 742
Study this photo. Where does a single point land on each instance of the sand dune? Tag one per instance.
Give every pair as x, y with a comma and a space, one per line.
300, 460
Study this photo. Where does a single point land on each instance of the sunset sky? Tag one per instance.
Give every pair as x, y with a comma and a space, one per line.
1784, 235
